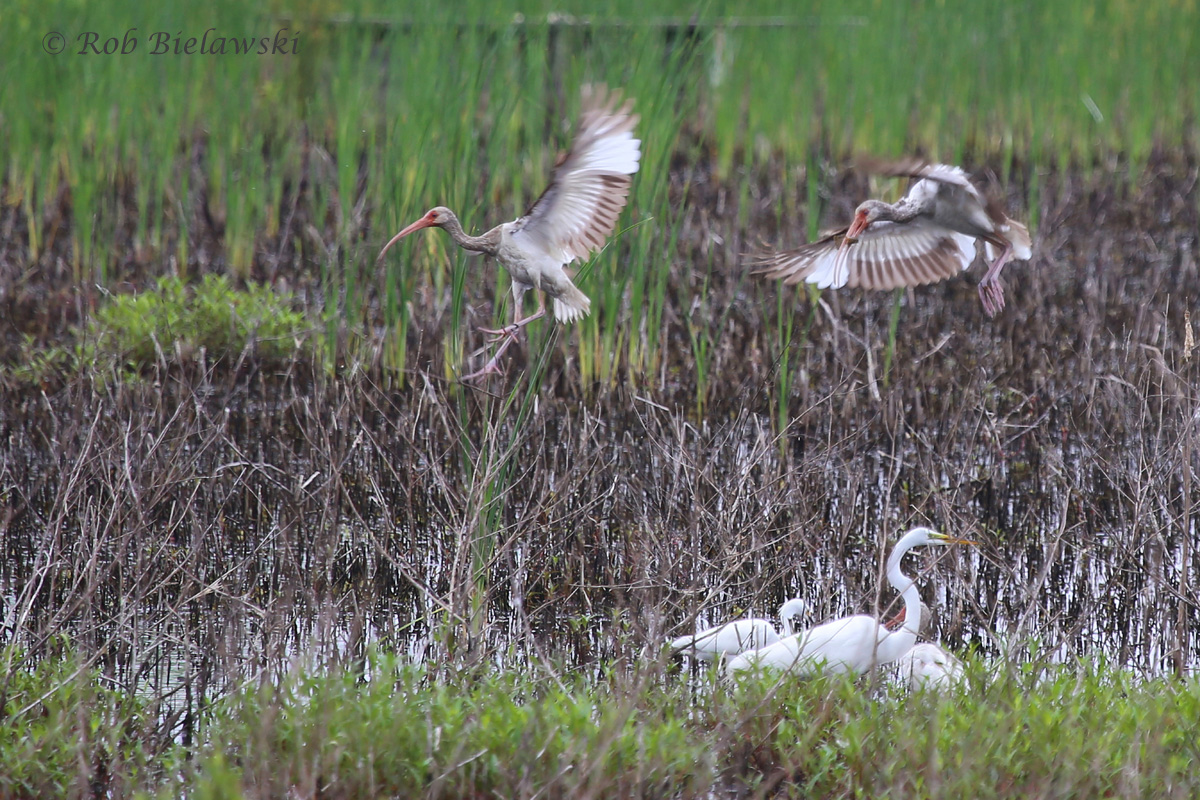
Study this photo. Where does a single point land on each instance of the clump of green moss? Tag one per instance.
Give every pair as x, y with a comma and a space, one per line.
176, 321
173, 322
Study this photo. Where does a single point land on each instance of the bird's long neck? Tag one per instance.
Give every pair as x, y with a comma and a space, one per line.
487, 243
898, 212
792, 608
907, 589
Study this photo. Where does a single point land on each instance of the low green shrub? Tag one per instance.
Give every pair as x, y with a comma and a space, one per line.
175, 321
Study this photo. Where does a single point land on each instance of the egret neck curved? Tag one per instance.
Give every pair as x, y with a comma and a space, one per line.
796, 607
907, 589
904, 584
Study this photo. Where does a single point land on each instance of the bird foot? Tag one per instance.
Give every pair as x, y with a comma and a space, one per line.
492, 367
506, 336
992, 295
500, 334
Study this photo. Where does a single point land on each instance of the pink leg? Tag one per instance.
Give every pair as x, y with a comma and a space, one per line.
507, 335
518, 322
507, 329
991, 292
492, 366
511, 330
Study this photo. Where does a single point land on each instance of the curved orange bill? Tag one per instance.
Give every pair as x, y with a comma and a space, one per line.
855, 230
423, 222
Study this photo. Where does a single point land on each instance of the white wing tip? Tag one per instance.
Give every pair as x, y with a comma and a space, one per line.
573, 308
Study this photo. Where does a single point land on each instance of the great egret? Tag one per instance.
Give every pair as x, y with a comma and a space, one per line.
739, 635
930, 666
928, 621
857, 643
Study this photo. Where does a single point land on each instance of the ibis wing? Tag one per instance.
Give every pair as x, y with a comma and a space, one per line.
953, 183
887, 255
918, 168
578, 211
807, 263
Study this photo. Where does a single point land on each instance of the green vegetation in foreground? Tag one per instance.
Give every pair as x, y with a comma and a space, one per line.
62, 727
404, 731
175, 323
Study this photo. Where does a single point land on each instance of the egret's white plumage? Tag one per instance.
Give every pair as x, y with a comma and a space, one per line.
857, 643
739, 635
927, 665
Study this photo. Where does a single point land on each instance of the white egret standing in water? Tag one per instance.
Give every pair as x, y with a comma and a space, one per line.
857, 643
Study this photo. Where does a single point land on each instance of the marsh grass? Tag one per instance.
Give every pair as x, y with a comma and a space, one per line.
308, 160
700, 447
390, 728
196, 532
65, 732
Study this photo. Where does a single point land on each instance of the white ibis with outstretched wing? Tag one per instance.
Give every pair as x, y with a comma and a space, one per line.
928, 236
572, 219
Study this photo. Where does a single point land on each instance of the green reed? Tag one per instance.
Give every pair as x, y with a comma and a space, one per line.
389, 110
490, 443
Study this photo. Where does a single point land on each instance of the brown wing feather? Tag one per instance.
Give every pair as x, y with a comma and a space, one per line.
577, 212
886, 256
913, 167
950, 176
